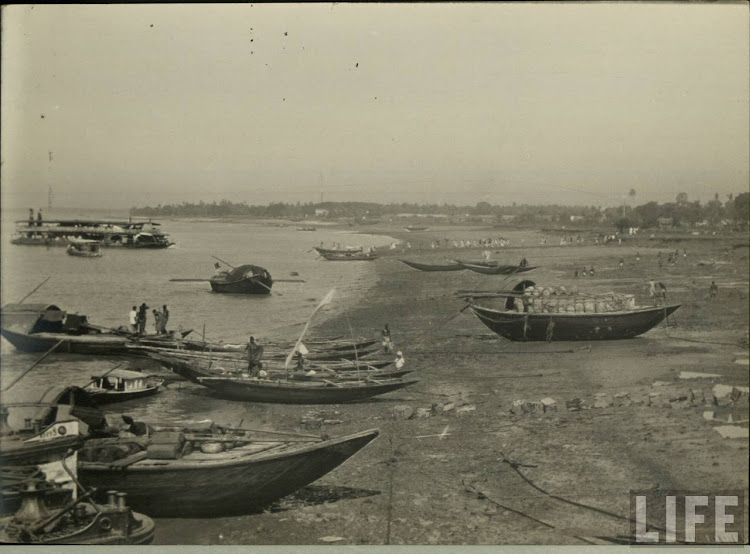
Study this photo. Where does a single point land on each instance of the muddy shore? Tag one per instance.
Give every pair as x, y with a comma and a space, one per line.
468, 466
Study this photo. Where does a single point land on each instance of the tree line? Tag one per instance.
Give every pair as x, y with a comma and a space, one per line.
733, 211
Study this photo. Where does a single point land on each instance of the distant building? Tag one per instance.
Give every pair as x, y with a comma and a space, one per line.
321, 213
666, 222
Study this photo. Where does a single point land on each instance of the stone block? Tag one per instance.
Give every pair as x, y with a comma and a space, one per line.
549, 404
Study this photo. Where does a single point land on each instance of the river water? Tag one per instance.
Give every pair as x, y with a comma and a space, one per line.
106, 288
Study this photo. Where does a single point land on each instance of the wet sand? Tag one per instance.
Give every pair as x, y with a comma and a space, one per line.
445, 477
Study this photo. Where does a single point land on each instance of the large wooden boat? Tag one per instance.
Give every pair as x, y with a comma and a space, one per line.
84, 248
40, 327
60, 232
435, 267
246, 475
530, 313
293, 392
245, 279
120, 385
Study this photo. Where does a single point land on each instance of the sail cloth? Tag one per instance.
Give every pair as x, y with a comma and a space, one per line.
326, 300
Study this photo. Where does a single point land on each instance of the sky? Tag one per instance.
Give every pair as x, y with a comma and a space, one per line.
114, 106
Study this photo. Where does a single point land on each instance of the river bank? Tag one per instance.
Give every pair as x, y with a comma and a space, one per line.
458, 453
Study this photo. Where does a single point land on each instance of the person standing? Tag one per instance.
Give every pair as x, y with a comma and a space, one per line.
652, 290
387, 343
31, 217
165, 313
254, 355
158, 321
622, 263
713, 290
39, 218
142, 313
133, 320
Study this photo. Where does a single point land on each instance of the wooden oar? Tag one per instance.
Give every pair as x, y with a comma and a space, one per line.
188, 280
47, 353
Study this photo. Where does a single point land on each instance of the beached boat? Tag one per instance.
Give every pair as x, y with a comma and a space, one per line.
435, 267
178, 476
245, 279
60, 232
353, 256
348, 250
300, 392
496, 269
84, 248
411, 228
120, 385
40, 327
530, 313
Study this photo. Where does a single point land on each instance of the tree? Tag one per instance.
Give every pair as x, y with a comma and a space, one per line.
682, 199
483, 208
622, 224
742, 208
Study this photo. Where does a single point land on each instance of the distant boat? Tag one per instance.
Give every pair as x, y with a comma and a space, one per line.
245, 279
434, 267
349, 255
489, 269
308, 228
84, 248
411, 228
120, 385
348, 250
61, 232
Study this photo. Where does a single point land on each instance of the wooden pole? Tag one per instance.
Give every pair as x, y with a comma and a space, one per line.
222, 261
47, 353
36, 289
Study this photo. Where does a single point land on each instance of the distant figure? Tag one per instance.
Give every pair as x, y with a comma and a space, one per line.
684, 255
637, 256
217, 266
387, 343
165, 313
142, 313
524, 263
31, 217
584, 272
158, 321
652, 290
622, 263
713, 290
39, 218
576, 274
254, 355
663, 291
399, 361
133, 320
591, 271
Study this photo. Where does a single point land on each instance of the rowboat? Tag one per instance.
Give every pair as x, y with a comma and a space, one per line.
415, 228
40, 327
348, 250
120, 385
84, 248
428, 267
234, 481
245, 279
304, 392
350, 256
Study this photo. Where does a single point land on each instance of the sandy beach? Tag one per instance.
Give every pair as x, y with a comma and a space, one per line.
470, 455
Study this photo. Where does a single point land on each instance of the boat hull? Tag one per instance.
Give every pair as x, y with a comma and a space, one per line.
572, 327
111, 397
76, 344
216, 489
428, 267
245, 286
498, 269
285, 392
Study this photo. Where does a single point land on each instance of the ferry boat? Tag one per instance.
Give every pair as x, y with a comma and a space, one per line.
61, 232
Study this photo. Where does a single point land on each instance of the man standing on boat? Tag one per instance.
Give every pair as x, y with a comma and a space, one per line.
142, 313
133, 320
165, 318
39, 218
31, 217
254, 355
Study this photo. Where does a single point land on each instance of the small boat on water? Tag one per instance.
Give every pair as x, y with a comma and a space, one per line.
120, 385
435, 267
352, 256
348, 250
530, 313
411, 228
245, 279
321, 391
307, 228
40, 327
84, 248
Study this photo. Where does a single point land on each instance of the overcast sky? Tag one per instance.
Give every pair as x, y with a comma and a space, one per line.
123, 105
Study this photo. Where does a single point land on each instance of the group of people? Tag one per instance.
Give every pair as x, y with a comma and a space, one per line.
585, 272
38, 217
138, 317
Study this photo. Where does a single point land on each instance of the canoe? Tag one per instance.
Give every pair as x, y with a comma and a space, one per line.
121, 385
239, 481
521, 326
348, 250
487, 269
432, 267
245, 279
292, 392
350, 256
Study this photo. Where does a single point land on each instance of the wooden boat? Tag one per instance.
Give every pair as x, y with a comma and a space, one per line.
524, 314
245, 279
239, 480
39, 327
84, 248
120, 385
353, 256
347, 250
498, 269
60, 232
434, 267
292, 392
411, 228
308, 228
